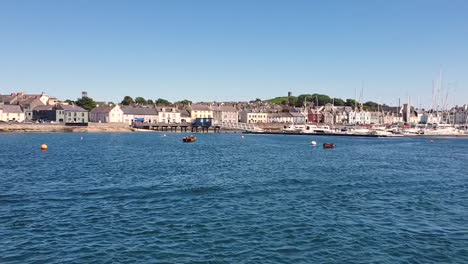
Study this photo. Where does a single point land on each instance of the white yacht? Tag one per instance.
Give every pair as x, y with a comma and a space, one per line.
294, 129
442, 130
314, 129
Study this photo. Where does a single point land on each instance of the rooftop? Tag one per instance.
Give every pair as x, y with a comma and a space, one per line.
129, 110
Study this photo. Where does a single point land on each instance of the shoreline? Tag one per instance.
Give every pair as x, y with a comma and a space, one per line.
20, 128
8, 128
356, 135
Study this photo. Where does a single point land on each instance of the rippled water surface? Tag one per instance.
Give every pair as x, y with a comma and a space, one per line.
139, 198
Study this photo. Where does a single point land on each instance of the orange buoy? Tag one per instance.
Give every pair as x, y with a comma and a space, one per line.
44, 147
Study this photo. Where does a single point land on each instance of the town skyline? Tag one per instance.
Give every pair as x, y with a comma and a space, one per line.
288, 99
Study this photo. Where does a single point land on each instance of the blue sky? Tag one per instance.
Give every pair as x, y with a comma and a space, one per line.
235, 50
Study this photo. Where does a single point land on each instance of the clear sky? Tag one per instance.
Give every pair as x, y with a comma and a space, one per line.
235, 50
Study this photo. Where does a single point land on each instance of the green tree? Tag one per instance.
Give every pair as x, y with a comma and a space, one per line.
339, 102
140, 100
258, 100
321, 99
371, 105
184, 102
351, 102
128, 100
161, 101
86, 103
303, 98
149, 102
68, 101
292, 100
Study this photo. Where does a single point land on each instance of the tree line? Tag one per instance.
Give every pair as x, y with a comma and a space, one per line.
321, 99
89, 104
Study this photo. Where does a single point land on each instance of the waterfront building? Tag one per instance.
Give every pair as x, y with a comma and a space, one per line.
44, 113
185, 116
392, 117
339, 115
358, 117
107, 114
17, 98
223, 114
280, 117
139, 114
376, 118
298, 117
461, 115
328, 117
71, 114
431, 117
28, 106
253, 116
168, 115
200, 111
315, 115
410, 115
11, 113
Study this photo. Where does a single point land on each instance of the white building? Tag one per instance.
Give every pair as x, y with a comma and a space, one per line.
146, 114
223, 114
11, 113
106, 114
168, 115
281, 117
200, 111
359, 117
251, 117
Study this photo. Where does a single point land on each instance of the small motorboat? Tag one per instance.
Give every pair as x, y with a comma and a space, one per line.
189, 139
328, 145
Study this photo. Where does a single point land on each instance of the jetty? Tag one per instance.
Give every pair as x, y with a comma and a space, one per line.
180, 127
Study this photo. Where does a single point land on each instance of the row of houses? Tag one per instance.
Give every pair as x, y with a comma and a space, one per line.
164, 114
19, 107
129, 114
330, 114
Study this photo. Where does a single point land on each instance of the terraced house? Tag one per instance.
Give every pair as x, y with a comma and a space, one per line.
200, 111
72, 114
107, 114
139, 114
11, 113
168, 115
253, 116
223, 114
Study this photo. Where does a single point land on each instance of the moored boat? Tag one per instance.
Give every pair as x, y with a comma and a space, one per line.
189, 139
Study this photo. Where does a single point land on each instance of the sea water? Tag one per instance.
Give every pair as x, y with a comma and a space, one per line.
146, 198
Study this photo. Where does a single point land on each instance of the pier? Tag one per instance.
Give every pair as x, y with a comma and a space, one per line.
173, 127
